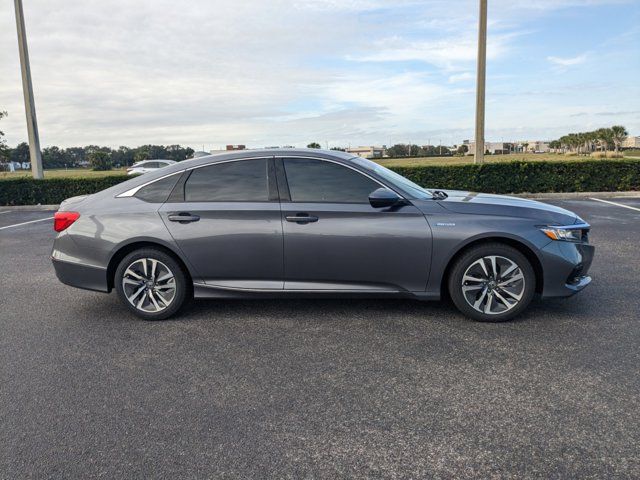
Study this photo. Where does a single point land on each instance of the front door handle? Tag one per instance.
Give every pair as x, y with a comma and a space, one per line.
183, 217
301, 218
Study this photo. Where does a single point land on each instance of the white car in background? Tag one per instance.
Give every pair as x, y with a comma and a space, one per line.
146, 166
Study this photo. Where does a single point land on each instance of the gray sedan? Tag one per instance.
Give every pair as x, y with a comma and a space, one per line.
286, 223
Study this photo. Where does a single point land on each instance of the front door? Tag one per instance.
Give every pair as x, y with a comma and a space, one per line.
227, 223
335, 240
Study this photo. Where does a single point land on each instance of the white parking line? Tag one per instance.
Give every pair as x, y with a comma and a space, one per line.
26, 223
616, 204
6, 211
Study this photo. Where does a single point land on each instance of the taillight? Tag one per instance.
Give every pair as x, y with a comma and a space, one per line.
63, 220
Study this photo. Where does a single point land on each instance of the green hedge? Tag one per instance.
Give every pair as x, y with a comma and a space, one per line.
530, 177
508, 177
27, 191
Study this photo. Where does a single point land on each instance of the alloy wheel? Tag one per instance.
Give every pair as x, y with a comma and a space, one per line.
149, 285
493, 284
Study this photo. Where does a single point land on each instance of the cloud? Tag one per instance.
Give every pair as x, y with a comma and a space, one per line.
461, 77
568, 61
261, 72
448, 53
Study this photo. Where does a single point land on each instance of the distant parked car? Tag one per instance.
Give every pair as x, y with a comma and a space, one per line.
146, 166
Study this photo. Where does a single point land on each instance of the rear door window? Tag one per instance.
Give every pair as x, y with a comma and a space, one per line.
238, 181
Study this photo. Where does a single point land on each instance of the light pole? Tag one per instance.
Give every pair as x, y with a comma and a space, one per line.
480, 83
27, 88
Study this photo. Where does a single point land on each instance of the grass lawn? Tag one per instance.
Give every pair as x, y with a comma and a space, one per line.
62, 173
387, 162
528, 157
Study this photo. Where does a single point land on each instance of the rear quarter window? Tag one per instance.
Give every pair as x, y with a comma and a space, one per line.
158, 191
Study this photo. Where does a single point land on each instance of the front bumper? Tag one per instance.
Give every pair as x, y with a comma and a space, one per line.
81, 276
565, 268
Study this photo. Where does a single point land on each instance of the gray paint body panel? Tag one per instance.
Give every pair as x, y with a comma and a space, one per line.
356, 247
234, 244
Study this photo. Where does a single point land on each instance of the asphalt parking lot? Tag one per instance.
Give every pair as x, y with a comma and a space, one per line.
319, 389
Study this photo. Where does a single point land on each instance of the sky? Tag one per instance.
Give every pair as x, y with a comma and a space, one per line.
205, 73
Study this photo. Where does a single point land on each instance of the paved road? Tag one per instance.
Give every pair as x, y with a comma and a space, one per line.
324, 389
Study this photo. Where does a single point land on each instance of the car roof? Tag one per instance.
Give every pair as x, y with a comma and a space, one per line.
150, 177
267, 152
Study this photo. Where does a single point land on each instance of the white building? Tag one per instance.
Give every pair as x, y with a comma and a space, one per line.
494, 148
536, 146
368, 152
631, 142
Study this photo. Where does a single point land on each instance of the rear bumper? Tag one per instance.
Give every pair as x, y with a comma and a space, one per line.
565, 267
81, 276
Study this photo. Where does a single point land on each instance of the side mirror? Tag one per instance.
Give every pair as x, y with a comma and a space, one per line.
383, 197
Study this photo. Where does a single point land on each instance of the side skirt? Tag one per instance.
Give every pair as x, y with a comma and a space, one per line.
207, 291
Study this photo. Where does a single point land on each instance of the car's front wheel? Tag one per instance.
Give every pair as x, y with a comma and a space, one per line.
152, 284
492, 282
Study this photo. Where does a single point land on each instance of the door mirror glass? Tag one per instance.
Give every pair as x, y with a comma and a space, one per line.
383, 197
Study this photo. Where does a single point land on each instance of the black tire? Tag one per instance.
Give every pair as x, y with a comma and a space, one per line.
465, 292
156, 291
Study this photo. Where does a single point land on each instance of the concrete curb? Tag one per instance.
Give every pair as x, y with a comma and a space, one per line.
28, 208
577, 195
538, 196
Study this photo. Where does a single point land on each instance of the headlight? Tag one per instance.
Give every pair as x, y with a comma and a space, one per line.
569, 234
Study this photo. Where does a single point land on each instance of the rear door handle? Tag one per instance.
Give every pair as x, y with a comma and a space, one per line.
183, 217
301, 218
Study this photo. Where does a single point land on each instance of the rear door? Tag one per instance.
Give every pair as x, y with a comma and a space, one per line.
335, 240
225, 217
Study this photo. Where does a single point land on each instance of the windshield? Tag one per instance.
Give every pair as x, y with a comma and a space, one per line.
394, 178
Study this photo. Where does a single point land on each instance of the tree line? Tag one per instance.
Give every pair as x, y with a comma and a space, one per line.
407, 150
586, 142
101, 158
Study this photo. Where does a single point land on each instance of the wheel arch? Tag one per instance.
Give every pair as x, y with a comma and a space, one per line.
522, 247
125, 250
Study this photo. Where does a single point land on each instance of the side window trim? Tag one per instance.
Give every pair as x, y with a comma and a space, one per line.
282, 177
177, 194
195, 167
272, 183
132, 191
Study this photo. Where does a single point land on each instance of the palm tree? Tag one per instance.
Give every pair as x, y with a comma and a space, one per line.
605, 136
572, 141
564, 143
618, 134
589, 140
579, 141
594, 141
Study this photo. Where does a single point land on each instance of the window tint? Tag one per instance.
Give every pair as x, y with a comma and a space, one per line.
240, 181
151, 165
158, 192
319, 181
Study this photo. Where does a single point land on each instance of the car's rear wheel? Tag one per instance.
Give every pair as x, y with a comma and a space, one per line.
152, 284
492, 282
